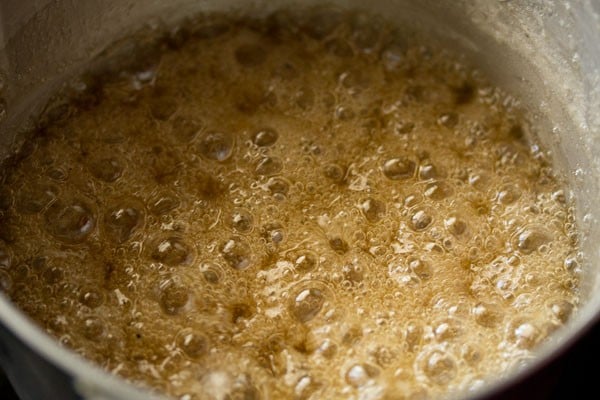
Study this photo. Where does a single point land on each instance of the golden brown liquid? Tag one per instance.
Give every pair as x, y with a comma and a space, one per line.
291, 209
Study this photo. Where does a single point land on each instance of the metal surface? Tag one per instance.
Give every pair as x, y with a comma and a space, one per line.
545, 52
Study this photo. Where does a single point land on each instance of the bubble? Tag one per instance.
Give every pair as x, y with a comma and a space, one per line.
420, 268
448, 120
372, 209
487, 315
216, 146
306, 387
268, 166
508, 195
437, 190
305, 261
278, 186
307, 303
531, 239
353, 273
414, 335
172, 297
343, 113
437, 365
171, 250
339, 245
35, 198
265, 137
399, 168
327, 349
359, 374
184, 129
192, 343
305, 98
92, 298
420, 220
212, 272
455, 225
273, 232
6, 281
561, 309
107, 169
123, 220
522, 333
5, 257
427, 171
52, 275
354, 81
241, 220
393, 56
237, 253
92, 328
163, 203
70, 222
334, 172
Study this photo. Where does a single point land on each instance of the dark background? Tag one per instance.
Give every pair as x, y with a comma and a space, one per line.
575, 375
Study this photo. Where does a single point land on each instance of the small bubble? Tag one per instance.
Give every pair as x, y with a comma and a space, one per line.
343, 113
561, 310
393, 56
305, 387
334, 172
531, 239
339, 245
184, 129
359, 374
421, 268
237, 253
307, 303
265, 137
372, 209
448, 120
250, 55
508, 195
6, 282
305, 261
420, 220
92, 328
278, 186
437, 190
212, 273
304, 98
273, 232
193, 344
163, 203
107, 169
91, 298
216, 146
123, 220
455, 225
486, 315
524, 334
241, 220
70, 222
268, 166
33, 199
173, 297
399, 168
437, 365
171, 250
427, 171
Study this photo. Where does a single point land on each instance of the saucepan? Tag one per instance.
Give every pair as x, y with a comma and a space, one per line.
544, 52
